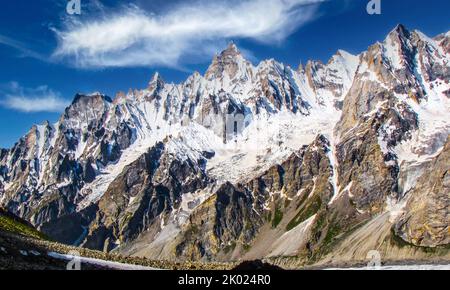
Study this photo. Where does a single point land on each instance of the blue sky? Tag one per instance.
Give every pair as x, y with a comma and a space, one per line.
47, 56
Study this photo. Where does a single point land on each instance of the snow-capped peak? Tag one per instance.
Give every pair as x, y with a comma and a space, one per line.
156, 82
399, 29
232, 49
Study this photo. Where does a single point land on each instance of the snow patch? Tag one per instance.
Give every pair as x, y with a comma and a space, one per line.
99, 262
399, 267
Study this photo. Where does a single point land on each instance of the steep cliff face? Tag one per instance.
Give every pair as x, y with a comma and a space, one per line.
142, 197
367, 171
427, 212
250, 161
52, 163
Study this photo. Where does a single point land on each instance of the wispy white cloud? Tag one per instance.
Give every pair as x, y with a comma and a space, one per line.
40, 99
24, 51
184, 33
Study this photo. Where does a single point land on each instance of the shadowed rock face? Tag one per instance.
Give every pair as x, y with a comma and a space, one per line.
141, 196
365, 172
151, 173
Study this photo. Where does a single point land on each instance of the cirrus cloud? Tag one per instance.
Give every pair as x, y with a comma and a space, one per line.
183, 34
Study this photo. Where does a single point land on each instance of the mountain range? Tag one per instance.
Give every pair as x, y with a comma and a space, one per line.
319, 164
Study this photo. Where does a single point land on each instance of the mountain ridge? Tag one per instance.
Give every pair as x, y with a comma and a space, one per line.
340, 140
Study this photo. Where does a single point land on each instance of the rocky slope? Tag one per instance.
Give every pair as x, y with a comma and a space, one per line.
22, 247
251, 162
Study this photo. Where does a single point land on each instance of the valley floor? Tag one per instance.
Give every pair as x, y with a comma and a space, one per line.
23, 248
18, 252
24, 253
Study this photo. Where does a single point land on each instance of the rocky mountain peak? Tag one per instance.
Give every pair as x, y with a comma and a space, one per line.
86, 108
87, 98
444, 41
400, 30
231, 50
344, 54
301, 68
156, 83
398, 36
45, 124
228, 62
344, 59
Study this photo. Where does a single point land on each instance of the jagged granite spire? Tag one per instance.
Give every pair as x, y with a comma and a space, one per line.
227, 62
156, 83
